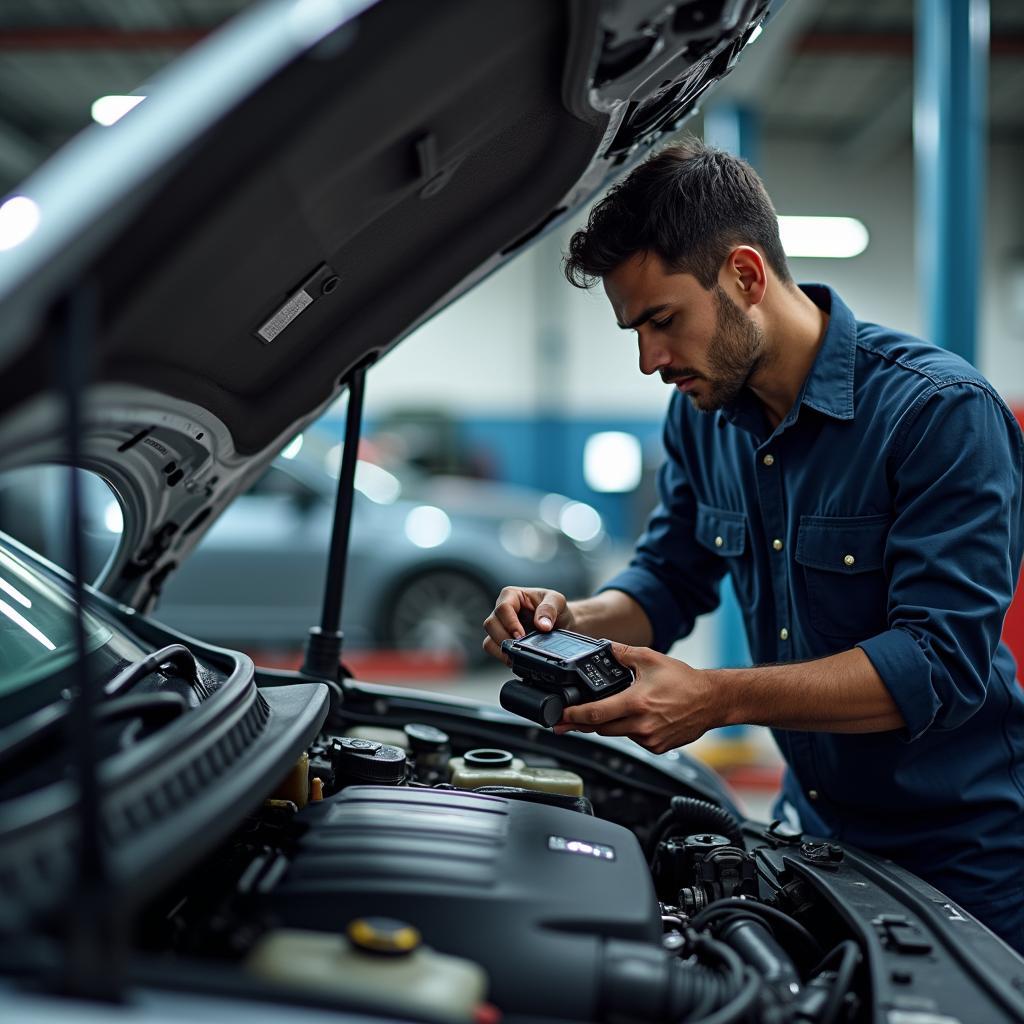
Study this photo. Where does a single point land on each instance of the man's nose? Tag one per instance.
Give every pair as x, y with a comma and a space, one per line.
653, 356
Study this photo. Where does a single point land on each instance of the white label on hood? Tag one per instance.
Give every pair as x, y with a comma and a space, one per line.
285, 315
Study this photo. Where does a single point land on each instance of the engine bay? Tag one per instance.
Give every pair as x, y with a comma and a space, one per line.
399, 870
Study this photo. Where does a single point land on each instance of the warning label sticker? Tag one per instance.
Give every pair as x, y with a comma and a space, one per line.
284, 316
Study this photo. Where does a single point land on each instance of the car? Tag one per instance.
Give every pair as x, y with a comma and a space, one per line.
426, 555
191, 837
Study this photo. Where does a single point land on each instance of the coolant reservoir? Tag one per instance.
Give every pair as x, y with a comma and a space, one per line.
380, 963
491, 767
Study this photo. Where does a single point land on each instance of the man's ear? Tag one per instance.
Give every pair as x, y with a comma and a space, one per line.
745, 275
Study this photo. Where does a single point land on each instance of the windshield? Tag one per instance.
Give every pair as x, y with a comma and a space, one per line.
37, 626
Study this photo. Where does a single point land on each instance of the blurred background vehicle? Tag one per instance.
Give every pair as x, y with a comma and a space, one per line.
428, 553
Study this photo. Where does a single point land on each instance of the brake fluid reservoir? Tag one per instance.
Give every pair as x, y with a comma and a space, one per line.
380, 963
490, 767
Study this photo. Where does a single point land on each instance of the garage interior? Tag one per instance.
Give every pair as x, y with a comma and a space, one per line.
830, 107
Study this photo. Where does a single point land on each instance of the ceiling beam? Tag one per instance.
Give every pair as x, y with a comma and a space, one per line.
901, 44
100, 38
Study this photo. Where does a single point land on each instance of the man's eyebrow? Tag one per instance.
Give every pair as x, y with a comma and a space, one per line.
645, 316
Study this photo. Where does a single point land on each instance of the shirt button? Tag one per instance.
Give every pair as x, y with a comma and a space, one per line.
777, 544
769, 459
783, 633
848, 559
812, 794
719, 542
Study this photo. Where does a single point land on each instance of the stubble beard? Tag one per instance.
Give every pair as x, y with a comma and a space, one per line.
735, 352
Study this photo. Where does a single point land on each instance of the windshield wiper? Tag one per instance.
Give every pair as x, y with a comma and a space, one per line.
177, 655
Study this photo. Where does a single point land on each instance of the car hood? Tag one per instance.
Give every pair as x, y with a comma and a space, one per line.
296, 194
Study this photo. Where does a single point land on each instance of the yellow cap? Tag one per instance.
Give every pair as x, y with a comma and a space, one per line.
383, 935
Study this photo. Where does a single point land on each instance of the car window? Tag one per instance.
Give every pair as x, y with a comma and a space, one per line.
34, 510
37, 626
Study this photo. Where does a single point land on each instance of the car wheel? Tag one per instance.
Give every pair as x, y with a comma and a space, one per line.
441, 611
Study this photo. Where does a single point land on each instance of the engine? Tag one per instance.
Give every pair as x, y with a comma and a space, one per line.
388, 876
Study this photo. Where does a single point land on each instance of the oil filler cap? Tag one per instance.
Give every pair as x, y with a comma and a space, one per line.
359, 760
383, 936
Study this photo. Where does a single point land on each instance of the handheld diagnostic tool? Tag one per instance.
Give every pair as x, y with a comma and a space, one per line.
557, 670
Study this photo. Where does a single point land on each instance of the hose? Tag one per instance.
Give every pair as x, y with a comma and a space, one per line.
688, 815
849, 961
731, 905
639, 982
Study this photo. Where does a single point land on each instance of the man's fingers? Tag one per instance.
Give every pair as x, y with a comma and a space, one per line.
551, 606
631, 657
503, 623
495, 651
599, 712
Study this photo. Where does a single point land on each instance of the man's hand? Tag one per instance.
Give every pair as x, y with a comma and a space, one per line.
521, 609
669, 703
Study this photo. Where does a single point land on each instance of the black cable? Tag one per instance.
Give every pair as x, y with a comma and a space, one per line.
689, 813
849, 961
739, 1006
733, 904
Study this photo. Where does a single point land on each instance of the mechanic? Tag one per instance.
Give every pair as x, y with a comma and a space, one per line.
862, 488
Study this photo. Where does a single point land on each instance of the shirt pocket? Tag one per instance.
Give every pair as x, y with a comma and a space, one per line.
721, 530
841, 559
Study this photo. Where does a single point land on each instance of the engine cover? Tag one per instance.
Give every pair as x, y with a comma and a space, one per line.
526, 890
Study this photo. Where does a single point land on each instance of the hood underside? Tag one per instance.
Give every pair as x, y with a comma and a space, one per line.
296, 195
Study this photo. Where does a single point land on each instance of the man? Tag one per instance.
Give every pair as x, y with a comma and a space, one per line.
862, 488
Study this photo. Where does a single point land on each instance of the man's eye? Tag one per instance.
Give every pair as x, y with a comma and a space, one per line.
662, 324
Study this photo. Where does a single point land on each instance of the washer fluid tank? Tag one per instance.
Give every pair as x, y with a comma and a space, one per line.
492, 767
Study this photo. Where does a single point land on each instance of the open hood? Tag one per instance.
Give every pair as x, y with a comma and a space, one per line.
296, 194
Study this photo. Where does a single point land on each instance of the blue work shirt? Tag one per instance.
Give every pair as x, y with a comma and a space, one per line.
884, 512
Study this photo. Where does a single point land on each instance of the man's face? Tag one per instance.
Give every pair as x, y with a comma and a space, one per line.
698, 340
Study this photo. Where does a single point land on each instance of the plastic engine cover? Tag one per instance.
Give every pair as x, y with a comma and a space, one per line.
529, 892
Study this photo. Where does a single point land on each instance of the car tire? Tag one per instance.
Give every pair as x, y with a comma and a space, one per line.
440, 611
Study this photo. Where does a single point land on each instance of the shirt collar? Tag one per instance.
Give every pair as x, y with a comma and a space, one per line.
828, 387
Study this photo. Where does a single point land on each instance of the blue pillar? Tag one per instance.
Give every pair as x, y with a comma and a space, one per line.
950, 82
735, 129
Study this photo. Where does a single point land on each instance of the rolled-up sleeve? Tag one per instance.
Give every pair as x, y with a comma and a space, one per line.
671, 576
951, 555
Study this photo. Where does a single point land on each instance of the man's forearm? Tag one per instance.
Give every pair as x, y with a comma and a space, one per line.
612, 615
841, 693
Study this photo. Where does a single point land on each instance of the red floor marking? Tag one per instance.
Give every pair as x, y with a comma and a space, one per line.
398, 667
767, 777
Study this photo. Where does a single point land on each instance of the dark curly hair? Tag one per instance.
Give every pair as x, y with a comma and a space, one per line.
691, 204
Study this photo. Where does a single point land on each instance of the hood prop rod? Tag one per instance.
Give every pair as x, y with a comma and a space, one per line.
325, 642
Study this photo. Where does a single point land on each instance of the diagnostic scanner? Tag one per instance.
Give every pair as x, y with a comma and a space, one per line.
558, 670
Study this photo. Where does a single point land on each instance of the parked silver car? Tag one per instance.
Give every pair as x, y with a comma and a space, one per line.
426, 556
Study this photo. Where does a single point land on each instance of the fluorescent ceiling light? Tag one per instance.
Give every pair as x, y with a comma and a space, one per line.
427, 526
823, 237
580, 522
293, 447
19, 217
612, 462
108, 110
